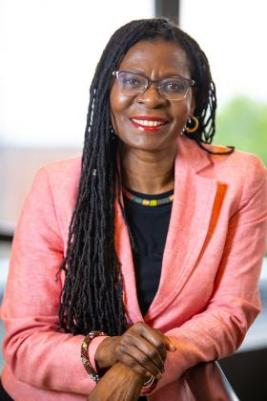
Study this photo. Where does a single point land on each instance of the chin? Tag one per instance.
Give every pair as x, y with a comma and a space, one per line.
148, 146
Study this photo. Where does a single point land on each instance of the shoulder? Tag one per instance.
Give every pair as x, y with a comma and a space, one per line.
57, 181
239, 164
243, 172
60, 173
60, 168
237, 169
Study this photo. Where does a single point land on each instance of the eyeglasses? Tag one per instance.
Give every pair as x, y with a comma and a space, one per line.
134, 84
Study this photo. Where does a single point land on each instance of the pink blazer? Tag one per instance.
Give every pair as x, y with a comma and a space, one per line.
207, 297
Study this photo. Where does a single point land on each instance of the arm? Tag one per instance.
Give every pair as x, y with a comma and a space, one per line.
119, 383
219, 330
34, 348
38, 353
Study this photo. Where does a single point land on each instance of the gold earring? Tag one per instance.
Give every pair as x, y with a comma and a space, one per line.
191, 130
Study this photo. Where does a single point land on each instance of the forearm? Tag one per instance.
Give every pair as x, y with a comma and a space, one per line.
211, 335
47, 359
119, 383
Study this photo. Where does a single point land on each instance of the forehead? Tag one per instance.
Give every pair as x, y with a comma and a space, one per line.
156, 55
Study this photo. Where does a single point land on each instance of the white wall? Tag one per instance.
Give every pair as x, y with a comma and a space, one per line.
48, 52
233, 35
49, 48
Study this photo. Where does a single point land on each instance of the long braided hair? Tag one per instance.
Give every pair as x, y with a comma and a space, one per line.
92, 297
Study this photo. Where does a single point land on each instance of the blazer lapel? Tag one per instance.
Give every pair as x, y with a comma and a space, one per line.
191, 224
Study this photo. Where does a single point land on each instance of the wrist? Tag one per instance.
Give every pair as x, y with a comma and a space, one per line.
105, 352
130, 373
85, 354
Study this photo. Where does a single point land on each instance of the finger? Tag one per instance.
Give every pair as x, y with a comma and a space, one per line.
137, 361
169, 343
155, 337
134, 343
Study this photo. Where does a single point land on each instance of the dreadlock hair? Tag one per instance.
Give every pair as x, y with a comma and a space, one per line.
92, 296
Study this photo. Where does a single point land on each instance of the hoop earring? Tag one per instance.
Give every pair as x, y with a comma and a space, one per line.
194, 128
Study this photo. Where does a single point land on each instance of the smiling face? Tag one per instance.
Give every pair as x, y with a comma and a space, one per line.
149, 121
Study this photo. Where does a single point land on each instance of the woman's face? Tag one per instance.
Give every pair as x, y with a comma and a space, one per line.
150, 121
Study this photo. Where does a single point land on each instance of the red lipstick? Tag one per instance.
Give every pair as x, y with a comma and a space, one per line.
148, 123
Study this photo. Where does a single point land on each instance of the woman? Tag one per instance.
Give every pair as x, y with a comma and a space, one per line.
147, 292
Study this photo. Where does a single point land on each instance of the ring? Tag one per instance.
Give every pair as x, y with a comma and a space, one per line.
149, 381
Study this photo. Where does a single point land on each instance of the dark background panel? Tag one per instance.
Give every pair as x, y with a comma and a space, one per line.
168, 8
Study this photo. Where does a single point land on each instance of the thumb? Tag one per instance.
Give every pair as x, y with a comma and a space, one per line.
170, 344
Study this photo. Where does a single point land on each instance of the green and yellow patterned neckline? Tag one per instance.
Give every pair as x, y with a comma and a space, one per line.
146, 201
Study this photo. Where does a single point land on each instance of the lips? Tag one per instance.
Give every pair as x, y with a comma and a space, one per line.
148, 123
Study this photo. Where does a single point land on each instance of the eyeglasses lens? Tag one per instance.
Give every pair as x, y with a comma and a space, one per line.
131, 84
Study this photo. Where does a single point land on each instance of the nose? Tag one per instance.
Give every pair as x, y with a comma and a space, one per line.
151, 97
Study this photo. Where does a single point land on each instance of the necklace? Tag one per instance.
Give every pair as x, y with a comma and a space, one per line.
148, 202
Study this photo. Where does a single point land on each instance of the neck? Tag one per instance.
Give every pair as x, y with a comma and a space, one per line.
147, 172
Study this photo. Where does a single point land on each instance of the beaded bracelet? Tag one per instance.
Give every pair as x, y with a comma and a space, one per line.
84, 354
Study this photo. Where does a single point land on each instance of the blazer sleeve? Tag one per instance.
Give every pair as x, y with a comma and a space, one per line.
37, 352
219, 330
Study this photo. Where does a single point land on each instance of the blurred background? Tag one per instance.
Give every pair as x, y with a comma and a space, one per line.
48, 52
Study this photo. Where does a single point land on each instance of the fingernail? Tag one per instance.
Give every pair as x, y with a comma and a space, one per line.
158, 376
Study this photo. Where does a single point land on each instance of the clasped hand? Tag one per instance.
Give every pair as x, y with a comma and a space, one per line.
134, 356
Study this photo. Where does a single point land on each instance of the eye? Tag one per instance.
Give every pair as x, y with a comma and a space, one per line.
131, 81
174, 86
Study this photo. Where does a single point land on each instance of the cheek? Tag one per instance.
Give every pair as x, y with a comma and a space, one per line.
180, 115
118, 102
182, 111
119, 105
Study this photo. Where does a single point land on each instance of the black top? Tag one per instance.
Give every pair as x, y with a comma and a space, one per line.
149, 227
